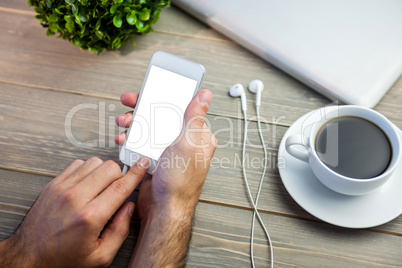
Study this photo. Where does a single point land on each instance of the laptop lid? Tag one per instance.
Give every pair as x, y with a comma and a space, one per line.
346, 50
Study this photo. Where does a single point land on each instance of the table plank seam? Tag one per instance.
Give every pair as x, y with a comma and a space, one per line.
222, 41
349, 257
221, 205
27, 172
56, 90
32, 13
24, 208
201, 200
17, 198
17, 11
14, 83
204, 201
262, 211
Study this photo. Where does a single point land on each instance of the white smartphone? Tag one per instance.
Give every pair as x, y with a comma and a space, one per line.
169, 86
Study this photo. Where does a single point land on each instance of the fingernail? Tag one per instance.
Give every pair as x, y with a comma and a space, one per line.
131, 210
144, 162
205, 97
127, 116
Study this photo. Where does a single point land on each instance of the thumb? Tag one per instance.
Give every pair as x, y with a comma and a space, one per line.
194, 117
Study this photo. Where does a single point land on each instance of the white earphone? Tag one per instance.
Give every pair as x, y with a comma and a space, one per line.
238, 91
255, 86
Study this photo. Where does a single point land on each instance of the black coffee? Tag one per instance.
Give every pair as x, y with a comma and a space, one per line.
354, 147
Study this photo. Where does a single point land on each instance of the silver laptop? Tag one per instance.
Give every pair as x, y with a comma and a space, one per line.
347, 50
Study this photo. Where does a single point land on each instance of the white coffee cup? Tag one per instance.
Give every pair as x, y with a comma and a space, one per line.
335, 181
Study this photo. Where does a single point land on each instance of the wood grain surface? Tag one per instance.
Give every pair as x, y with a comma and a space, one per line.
44, 79
224, 241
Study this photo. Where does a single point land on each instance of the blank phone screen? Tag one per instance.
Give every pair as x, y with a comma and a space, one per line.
159, 116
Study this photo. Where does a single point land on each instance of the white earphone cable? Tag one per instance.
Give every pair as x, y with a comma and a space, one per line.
259, 191
255, 213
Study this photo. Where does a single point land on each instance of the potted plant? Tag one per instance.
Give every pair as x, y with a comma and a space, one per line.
96, 25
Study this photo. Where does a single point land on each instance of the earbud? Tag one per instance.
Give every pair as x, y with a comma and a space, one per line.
238, 91
256, 86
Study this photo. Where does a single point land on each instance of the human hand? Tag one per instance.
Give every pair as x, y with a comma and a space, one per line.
183, 166
167, 200
67, 225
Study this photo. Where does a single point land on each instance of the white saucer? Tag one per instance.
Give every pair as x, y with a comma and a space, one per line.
373, 209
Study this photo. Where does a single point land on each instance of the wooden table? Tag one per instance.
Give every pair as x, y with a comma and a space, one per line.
42, 79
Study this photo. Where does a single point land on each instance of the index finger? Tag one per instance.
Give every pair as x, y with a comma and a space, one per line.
109, 201
129, 99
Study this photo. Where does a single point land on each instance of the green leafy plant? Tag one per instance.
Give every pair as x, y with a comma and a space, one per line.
98, 24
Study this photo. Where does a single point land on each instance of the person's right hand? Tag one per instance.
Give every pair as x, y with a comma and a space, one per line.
79, 219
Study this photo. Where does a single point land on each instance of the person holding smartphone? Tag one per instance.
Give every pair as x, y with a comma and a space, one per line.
80, 218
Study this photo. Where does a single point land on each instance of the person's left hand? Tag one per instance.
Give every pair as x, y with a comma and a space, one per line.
68, 224
167, 200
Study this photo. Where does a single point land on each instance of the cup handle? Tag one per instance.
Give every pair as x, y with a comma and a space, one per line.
300, 140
